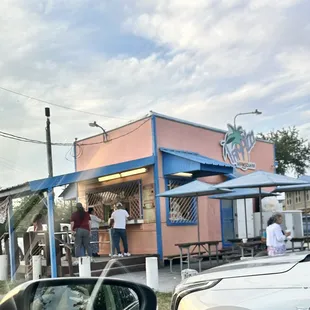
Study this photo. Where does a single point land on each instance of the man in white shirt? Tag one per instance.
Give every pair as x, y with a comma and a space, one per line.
120, 217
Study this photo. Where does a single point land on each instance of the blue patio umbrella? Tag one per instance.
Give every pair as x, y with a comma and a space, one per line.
243, 193
194, 189
258, 180
295, 188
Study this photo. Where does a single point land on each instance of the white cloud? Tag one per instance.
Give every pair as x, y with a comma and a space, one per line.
208, 60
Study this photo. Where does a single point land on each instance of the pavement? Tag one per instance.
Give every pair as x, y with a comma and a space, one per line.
167, 280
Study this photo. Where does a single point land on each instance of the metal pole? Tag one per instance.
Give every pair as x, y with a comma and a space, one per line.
11, 240
49, 143
260, 210
198, 226
51, 231
306, 210
246, 219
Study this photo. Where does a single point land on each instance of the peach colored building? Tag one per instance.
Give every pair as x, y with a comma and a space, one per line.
157, 153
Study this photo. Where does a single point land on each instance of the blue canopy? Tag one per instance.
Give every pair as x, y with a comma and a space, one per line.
242, 193
193, 189
305, 178
292, 188
260, 179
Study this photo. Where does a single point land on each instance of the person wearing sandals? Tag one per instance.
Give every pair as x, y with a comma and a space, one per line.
95, 223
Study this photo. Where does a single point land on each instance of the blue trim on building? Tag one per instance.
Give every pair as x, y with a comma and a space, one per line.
222, 224
157, 190
175, 161
226, 244
79, 176
51, 232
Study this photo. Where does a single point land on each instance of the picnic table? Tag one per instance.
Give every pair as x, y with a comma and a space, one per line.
251, 245
301, 240
206, 248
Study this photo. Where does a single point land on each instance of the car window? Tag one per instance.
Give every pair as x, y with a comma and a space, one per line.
79, 297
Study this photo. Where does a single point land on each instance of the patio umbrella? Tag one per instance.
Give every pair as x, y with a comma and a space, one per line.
260, 179
194, 189
295, 188
243, 193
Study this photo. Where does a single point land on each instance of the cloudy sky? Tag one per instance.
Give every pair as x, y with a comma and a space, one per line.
201, 60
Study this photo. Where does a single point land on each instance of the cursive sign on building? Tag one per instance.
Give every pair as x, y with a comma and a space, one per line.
237, 146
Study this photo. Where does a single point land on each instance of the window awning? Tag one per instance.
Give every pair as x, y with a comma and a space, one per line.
85, 175
177, 161
69, 192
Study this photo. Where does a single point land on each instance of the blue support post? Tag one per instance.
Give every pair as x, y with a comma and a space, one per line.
156, 190
51, 231
11, 240
75, 170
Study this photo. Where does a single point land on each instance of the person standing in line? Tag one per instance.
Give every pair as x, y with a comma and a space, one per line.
111, 229
81, 228
119, 218
95, 223
37, 223
275, 239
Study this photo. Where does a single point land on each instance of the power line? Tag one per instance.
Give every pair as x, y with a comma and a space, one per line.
121, 136
34, 141
60, 105
28, 140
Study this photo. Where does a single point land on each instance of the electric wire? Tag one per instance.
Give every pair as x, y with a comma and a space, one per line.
60, 105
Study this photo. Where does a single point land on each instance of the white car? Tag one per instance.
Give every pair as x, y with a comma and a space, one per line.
268, 283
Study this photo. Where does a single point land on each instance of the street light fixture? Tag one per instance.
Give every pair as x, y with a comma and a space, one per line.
246, 113
105, 135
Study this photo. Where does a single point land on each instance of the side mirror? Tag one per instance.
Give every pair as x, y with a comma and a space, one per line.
80, 294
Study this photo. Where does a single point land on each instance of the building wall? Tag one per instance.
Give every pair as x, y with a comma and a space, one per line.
296, 200
127, 143
137, 143
180, 136
141, 237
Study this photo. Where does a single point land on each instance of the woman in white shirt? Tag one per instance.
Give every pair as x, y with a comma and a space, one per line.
95, 223
275, 239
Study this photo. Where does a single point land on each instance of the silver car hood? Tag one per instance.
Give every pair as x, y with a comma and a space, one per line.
254, 266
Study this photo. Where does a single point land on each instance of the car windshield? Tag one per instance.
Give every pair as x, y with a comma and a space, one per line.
153, 141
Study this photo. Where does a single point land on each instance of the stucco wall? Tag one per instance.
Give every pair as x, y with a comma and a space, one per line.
175, 135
